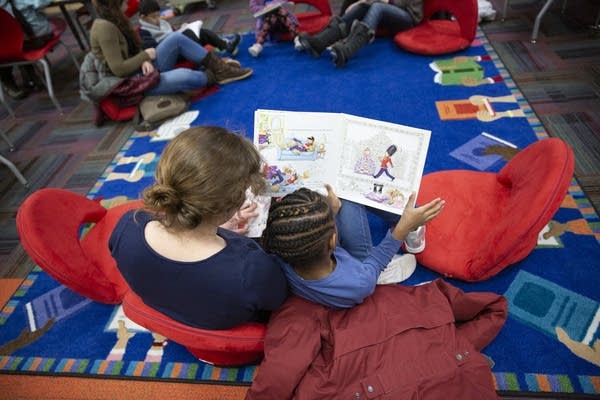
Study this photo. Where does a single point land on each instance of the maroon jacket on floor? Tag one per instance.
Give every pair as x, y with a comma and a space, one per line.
403, 342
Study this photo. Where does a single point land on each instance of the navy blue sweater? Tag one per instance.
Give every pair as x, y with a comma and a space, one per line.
238, 284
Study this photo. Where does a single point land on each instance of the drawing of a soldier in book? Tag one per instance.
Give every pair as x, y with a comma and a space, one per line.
386, 163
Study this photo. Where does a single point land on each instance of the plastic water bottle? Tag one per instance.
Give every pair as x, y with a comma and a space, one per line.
415, 240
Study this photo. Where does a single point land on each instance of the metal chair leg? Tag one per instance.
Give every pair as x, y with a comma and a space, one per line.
48, 82
72, 57
11, 146
504, 10
14, 170
5, 103
10, 164
538, 20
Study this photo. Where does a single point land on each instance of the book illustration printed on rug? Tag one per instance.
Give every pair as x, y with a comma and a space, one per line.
125, 329
483, 108
56, 305
570, 318
134, 168
463, 70
372, 162
485, 151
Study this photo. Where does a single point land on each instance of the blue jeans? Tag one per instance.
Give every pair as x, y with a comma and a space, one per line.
174, 80
387, 16
354, 233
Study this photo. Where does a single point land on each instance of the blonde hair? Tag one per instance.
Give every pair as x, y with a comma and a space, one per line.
204, 172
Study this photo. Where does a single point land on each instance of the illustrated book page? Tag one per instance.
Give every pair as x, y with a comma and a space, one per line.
272, 6
367, 161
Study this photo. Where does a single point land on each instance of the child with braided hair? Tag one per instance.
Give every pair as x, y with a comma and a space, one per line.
326, 244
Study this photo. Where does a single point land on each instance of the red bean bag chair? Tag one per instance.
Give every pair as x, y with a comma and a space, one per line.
441, 36
492, 220
50, 223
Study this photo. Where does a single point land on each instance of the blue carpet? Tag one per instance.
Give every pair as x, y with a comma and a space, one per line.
555, 286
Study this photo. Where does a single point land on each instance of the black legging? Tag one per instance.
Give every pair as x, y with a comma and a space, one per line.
206, 37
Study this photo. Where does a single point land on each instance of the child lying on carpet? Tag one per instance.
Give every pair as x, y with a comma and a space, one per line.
153, 29
174, 252
302, 229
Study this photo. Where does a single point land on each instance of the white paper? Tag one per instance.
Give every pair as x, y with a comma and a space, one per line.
193, 26
258, 224
174, 126
309, 149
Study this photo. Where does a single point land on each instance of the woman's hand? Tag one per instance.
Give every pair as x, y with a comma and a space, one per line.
412, 217
239, 222
334, 201
151, 51
147, 68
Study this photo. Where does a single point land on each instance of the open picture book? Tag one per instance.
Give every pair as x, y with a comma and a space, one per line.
272, 6
375, 163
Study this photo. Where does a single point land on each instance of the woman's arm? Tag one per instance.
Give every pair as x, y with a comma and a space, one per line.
108, 38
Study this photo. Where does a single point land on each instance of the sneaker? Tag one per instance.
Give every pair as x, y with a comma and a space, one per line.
399, 269
16, 93
232, 45
255, 49
298, 44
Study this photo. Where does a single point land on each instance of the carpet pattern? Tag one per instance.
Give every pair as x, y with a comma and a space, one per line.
558, 76
128, 173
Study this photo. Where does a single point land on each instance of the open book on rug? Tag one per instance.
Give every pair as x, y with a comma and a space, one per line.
367, 161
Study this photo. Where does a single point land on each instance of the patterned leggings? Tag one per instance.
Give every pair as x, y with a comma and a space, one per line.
278, 20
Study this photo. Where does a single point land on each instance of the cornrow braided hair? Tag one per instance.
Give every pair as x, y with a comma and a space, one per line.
299, 228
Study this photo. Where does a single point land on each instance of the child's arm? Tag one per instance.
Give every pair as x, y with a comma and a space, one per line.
412, 217
147, 40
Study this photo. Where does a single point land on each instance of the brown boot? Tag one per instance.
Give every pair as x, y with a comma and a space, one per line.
224, 73
234, 63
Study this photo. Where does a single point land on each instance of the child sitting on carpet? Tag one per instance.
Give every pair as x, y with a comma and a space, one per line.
153, 29
272, 22
336, 271
175, 254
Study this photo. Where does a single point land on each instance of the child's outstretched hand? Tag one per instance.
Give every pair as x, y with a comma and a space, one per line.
413, 217
334, 201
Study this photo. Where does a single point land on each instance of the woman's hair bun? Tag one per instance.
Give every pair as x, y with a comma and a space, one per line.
162, 198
